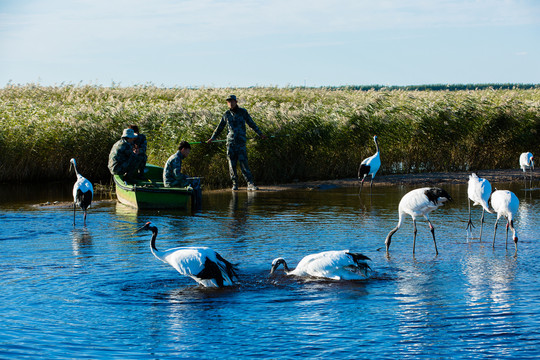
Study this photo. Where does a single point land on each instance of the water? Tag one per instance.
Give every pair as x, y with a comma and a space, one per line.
98, 292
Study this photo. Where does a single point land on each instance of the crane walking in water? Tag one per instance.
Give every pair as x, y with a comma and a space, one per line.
202, 264
419, 202
83, 192
506, 204
526, 161
370, 166
335, 265
479, 192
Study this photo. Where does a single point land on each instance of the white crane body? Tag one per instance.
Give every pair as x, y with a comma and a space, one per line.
335, 265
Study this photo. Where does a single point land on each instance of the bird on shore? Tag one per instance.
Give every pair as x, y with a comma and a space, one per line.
479, 192
419, 202
526, 162
506, 204
370, 166
202, 264
335, 265
83, 192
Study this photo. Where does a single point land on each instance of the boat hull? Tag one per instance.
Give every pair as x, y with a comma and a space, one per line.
150, 192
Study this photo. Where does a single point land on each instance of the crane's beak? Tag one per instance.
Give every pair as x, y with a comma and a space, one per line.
144, 227
276, 263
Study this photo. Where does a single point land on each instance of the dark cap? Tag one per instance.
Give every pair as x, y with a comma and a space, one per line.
231, 97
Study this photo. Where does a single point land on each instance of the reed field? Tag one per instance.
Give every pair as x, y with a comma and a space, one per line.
316, 133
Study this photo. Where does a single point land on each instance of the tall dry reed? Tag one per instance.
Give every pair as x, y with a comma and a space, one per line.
318, 133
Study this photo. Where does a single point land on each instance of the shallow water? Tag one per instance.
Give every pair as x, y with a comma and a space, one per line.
98, 292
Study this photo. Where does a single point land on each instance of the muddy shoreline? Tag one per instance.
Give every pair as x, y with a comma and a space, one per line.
420, 179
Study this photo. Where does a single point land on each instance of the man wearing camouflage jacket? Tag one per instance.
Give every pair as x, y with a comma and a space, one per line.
173, 177
236, 119
123, 159
172, 172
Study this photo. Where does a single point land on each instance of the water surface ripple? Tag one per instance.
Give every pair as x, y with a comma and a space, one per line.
97, 292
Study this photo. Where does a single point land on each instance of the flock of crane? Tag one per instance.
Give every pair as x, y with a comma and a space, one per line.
210, 269
421, 202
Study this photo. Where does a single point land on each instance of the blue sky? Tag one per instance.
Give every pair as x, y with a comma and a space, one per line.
219, 43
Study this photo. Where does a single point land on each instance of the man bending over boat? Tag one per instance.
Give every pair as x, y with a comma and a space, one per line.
123, 158
173, 177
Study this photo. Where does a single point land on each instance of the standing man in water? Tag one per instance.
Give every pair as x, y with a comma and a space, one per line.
236, 118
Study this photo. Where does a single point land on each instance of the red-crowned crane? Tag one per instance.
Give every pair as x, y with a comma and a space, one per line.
370, 166
506, 204
202, 264
83, 192
479, 191
526, 162
419, 202
335, 265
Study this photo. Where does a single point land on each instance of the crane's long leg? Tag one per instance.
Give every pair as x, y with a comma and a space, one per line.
495, 231
482, 223
469, 224
514, 233
361, 186
506, 241
414, 235
74, 214
371, 186
433, 234
530, 185
84, 218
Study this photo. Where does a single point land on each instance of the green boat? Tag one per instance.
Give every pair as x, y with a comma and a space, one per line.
150, 192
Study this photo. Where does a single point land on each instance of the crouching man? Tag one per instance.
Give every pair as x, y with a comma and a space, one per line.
173, 177
124, 159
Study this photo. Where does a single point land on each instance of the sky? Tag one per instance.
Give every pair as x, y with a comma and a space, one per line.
280, 43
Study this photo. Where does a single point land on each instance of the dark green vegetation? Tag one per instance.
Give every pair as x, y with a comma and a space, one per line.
441, 87
319, 133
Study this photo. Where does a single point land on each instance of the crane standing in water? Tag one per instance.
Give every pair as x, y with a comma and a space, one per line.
370, 166
479, 192
83, 192
506, 204
526, 161
419, 202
